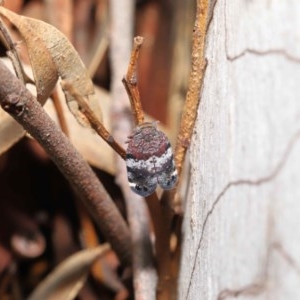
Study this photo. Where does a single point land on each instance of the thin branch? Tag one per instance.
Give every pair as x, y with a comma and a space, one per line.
13, 54
159, 211
98, 56
162, 246
130, 82
23, 107
144, 273
190, 109
189, 114
161, 227
95, 123
59, 112
198, 66
101, 41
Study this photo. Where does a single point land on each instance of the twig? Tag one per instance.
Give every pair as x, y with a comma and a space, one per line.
144, 273
198, 66
101, 41
130, 83
98, 56
13, 54
190, 109
162, 246
189, 115
59, 111
23, 107
157, 212
95, 123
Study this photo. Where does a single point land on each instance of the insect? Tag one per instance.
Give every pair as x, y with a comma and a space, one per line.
149, 160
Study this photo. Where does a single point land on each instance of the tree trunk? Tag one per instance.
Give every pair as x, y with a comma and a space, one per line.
241, 231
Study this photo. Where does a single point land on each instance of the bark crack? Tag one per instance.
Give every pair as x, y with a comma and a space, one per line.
250, 182
277, 51
260, 286
258, 52
280, 52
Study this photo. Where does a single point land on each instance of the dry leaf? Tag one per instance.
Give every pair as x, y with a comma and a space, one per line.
52, 56
93, 148
87, 142
10, 131
68, 278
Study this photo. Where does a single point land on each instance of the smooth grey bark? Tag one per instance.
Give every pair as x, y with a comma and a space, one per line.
241, 236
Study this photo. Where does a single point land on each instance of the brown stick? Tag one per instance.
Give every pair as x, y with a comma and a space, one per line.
59, 112
144, 273
192, 101
13, 54
162, 246
190, 109
130, 83
23, 107
95, 123
161, 227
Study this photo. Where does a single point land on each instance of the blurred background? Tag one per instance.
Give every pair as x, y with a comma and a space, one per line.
41, 220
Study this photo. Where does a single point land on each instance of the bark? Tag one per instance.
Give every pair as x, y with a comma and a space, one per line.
240, 230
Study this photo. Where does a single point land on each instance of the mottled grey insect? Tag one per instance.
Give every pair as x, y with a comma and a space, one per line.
149, 160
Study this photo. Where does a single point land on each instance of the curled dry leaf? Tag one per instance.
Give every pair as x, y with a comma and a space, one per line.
52, 56
87, 142
94, 149
68, 278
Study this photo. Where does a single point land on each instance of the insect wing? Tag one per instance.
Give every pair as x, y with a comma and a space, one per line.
141, 181
166, 170
167, 181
